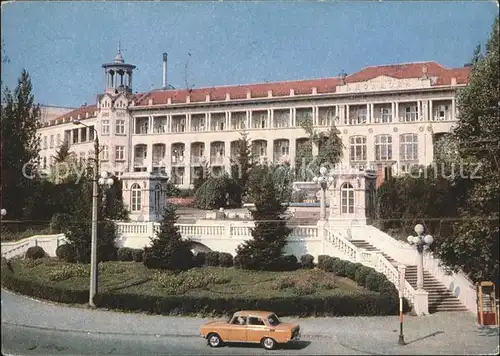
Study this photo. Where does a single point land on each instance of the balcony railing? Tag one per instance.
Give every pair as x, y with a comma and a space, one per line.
158, 160
217, 160
198, 160
177, 159
139, 162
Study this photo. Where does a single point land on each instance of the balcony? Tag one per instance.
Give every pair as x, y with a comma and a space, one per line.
198, 160
141, 126
177, 160
217, 160
160, 125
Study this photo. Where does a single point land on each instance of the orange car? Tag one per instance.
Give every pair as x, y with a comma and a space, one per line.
249, 326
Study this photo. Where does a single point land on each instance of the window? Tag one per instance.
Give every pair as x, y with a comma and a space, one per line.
120, 127
58, 143
256, 321
358, 148
239, 320
361, 116
303, 115
408, 147
44, 142
157, 198
51, 144
281, 118
411, 113
385, 115
119, 153
136, 197
443, 111
347, 196
105, 127
383, 147
91, 133
273, 320
104, 153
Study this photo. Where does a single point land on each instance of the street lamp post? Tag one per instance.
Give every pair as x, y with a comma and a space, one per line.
421, 242
95, 196
3, 212
323, 180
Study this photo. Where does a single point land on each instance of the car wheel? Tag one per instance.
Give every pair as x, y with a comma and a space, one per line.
268, 343
214, 340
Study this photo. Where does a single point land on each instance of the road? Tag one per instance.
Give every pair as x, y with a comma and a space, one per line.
31, 327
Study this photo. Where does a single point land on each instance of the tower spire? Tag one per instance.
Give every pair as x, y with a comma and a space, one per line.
119, 58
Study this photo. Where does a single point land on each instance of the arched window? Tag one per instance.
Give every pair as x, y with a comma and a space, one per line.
347, 197
158, 198
136, 197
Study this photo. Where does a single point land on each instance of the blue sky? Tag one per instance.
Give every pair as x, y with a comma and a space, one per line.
64, 44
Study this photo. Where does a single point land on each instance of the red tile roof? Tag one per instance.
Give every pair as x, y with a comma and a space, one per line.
325, 85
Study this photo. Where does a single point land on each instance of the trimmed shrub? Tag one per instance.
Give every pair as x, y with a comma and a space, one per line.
361, 273
218, 192
328, 264
287, 263
66, 252
200, 259
225, 259
339, 267
137, 255
388, 288
307, 261
125, 254
321, 261
374, 280
35, 252
350, 269
212, 258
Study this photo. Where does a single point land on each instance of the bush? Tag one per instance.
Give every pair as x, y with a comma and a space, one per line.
35, 252
59, 223
307, 261
125, 254
360, 275
339, 267
225, 259
321, 261
328, 264
287, 263
374, 280
350, 269
137, 255
66, 252
200, 259
212, 259
388, 288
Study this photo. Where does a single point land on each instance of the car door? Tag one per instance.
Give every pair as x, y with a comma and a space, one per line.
237, 331
257, 329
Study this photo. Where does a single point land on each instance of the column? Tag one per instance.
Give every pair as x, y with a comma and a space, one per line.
270, 116
347, 114
169, 119
149, 157
80, 133
249, 119
228, 120
395, 150
290, 118
420, 110
188, 123
227, 155
270, 150
292, 151
88, 129
431, 113
187, 164
294, 117
315, 115
130, 80
168, 159
454, 114
396, 117
150, 124
371, 113
209, 121
425, 110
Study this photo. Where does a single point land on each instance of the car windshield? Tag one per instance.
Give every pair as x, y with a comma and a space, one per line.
273, 320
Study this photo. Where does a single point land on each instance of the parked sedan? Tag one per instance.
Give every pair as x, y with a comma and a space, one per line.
251, 326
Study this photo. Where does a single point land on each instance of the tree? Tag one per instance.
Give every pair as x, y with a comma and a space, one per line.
242, 164
474, 244
168, 250
20, 119
264, 251
330, 149
203, 177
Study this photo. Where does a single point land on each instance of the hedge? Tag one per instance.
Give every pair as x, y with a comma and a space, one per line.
35, 252
335, 305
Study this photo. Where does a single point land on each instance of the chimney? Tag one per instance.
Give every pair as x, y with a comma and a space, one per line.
424, 72
164, 84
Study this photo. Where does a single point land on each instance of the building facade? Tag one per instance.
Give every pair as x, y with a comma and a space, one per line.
388, 117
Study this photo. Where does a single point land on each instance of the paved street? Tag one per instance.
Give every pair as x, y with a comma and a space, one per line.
32, 327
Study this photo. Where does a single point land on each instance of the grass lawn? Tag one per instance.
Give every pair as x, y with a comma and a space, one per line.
133, 277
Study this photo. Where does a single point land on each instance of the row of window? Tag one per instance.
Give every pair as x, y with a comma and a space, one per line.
408, 148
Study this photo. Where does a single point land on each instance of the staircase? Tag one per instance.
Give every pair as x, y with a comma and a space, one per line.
440, 298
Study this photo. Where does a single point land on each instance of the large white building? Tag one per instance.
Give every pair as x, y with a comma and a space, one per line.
388, 116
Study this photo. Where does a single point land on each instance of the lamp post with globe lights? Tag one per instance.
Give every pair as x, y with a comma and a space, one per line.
3, 212
323, 180
421, 242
